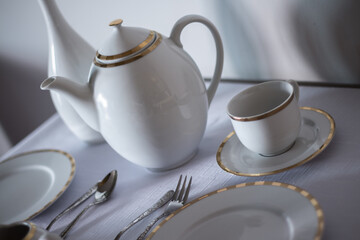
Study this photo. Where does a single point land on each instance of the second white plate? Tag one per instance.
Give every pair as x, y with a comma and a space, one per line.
258, 210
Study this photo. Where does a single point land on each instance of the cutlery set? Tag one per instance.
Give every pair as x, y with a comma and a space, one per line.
102, 191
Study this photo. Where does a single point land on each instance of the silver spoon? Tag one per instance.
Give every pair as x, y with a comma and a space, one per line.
79, 201
105, 188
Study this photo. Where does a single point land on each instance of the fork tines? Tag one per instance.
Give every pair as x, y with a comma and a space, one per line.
184, 190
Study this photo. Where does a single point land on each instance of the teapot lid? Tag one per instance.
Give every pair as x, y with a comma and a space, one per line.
125, 45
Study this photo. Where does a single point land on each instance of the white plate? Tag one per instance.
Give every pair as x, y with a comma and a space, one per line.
259, 210
316, 132
32, 181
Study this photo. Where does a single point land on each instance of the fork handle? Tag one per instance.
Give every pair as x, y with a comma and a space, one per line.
161, 202
151, 224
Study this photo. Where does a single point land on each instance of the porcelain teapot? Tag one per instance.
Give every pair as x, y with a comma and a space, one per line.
145, 94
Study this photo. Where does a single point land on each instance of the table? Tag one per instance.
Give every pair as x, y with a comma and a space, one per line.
333, 177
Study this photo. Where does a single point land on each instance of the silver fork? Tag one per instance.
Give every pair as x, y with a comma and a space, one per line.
178, 200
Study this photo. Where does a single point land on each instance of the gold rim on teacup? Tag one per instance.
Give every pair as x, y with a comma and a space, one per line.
266, 114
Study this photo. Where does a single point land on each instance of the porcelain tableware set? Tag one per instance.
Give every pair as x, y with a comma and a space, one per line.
143, 90
145, 96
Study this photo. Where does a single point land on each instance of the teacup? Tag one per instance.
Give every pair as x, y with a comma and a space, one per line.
26, 230
266, 117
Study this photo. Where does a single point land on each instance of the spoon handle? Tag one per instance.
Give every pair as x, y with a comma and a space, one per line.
161, 202
70, 225
84, 197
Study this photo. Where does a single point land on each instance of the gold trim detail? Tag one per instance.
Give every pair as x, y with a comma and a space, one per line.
267, 114
312, 200
32, 232
321, 148
129, 52
71, 176
134, 58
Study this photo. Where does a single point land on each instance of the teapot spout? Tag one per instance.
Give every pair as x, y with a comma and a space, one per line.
78, 95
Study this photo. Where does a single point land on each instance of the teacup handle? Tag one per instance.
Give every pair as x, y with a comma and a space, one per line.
296, 88
175, 36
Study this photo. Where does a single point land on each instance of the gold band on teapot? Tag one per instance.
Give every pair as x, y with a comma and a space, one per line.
131, 59
129, 52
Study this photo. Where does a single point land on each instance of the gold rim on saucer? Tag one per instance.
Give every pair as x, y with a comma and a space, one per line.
321, 148
307, 195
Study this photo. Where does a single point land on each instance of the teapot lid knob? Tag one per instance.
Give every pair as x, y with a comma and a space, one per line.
116, 22
125, 44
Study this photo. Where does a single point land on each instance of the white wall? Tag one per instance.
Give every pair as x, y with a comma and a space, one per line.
263, 39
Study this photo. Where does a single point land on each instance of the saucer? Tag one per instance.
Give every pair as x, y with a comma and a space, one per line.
30, 182
316, 132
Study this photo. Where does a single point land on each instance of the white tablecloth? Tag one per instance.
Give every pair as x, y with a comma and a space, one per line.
333, 177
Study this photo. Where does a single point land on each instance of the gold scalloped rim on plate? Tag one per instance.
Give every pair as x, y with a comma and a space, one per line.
321, 148
71, 176
312, 200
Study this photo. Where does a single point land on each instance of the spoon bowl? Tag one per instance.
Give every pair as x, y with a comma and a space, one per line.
105, 188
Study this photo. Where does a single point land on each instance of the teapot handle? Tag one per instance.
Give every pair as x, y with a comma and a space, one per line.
175, 36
